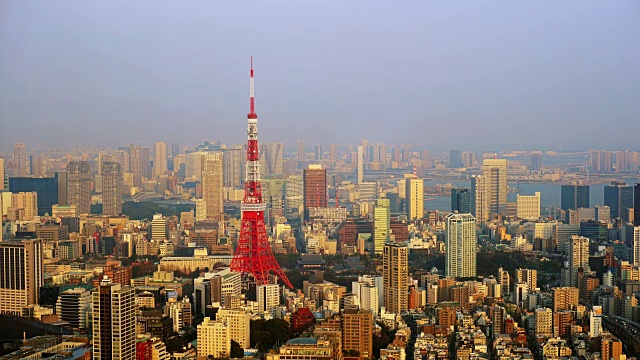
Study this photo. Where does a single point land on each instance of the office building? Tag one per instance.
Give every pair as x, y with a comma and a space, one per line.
636, 204
318, 154
294, 193
528, 207
619, 197
271, 158
268, 297
20, 159
315, 188
461, 200
135, 164
528, 276
300, 153
479, 201
2, 174
455, 159
111, 189
461, 242
214, 339
395, 275
573, 197
504, 279
578, 252
233, 161
415, 197
46, 188
160, 159
24, 205
536, 161
381, 224
357, 332
79, 185
635, 250
159, 227
212, 181
360, 164
21, 275
495, 173
565, 298
114, 322
74, 306
238, 321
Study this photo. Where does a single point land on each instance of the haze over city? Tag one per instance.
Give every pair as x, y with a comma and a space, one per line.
469, 75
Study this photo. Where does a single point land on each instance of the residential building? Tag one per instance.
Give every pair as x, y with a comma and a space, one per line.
461, 243
381, 224
114, 322
79, 186
395, 276
357, 332
111, 189
214, 338
239, 325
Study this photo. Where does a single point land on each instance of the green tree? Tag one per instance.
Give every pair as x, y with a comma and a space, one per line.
236, 350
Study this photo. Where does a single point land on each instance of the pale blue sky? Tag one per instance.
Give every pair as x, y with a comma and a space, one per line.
463, 74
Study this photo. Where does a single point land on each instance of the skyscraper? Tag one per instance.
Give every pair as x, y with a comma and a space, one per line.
271, 158
461, 200
574, 197
135, 164
415, 198
21, 275
175, 150
319, 154
301, 157
479, 201
2, 172
360, 164
160, 159
233, 162
636, 205
495, 172
268, 298
381, 224
114, 322
578, 252
46, 188
333, 152
635, 249
212, 179
315, 188
20, 159
461, 241
111, 189
536, 161
455, 159
395, 274
79, 185
619, 197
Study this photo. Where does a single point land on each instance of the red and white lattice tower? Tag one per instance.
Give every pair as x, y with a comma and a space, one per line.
253, 254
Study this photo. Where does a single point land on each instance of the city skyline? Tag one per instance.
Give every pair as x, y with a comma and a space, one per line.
432, 65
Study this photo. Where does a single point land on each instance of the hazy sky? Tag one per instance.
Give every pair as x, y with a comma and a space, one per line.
461, 74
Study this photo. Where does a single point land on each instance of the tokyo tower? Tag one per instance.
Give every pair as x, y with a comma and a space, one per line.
253, 254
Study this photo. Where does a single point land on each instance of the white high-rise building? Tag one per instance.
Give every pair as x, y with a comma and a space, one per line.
159, 227
239, 321
367, 295
495, 173
520, 293
376, 281
268, 299
528, 207
160, 159
578, 252
114, 322
214, 339
461, 242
